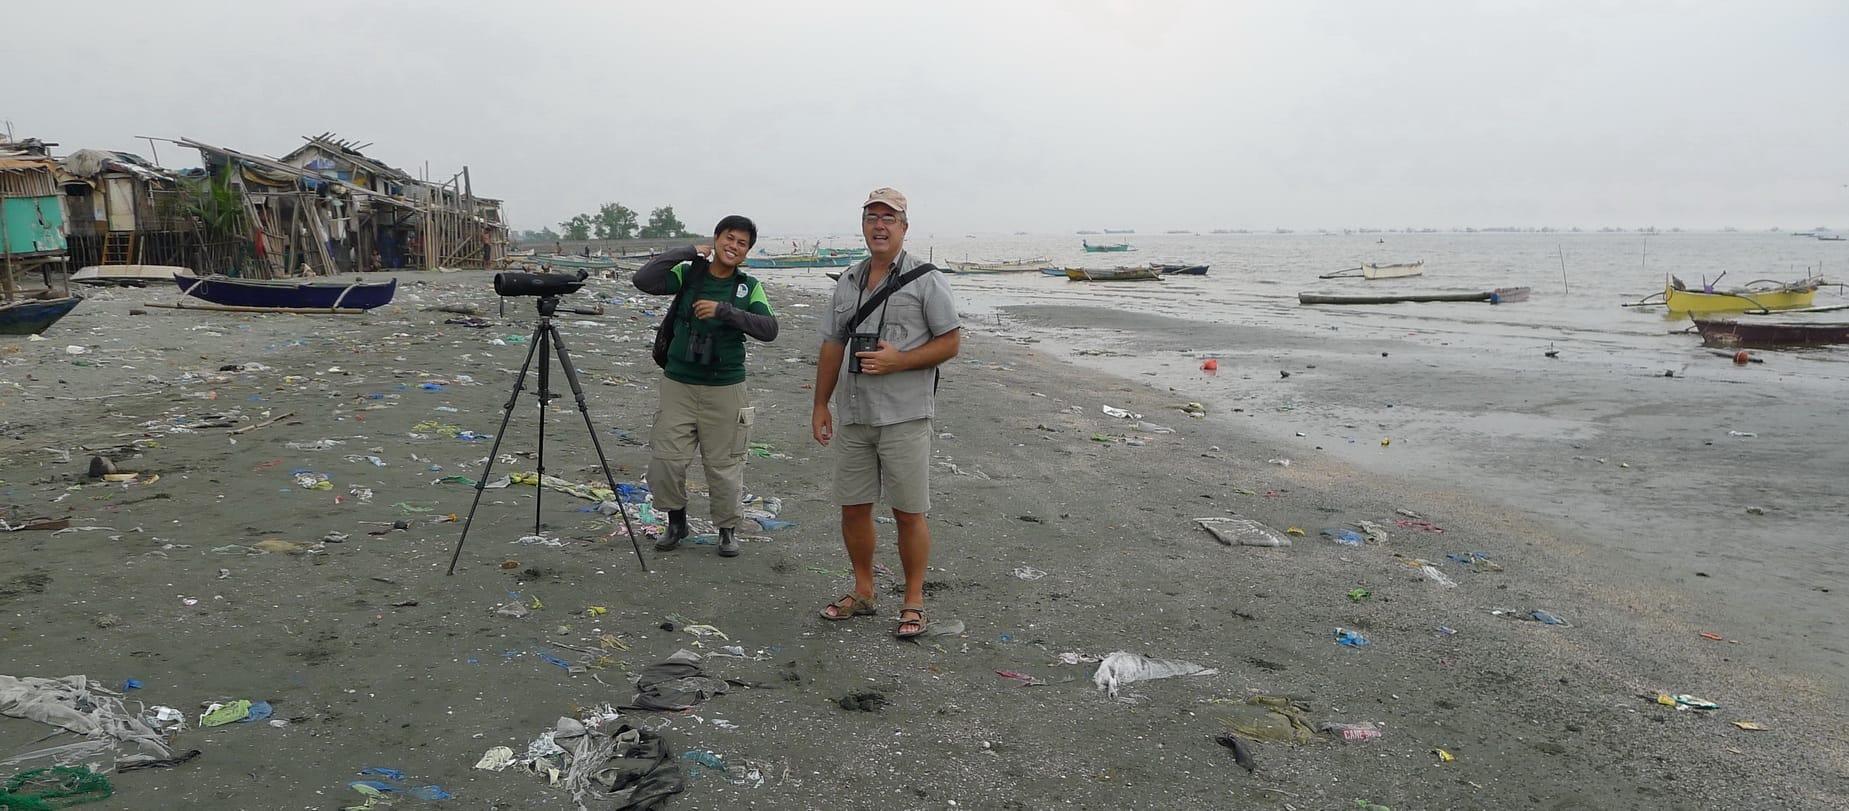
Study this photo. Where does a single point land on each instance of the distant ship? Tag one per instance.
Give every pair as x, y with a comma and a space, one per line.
1120, 230
1088, 232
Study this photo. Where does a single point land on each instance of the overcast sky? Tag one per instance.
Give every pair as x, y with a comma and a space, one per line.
999, 115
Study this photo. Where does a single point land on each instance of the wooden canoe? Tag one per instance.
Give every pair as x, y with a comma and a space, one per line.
1770, 334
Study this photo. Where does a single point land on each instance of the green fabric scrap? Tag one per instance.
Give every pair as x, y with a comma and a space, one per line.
226, 713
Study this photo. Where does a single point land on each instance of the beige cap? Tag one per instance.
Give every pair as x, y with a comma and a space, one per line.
887, 195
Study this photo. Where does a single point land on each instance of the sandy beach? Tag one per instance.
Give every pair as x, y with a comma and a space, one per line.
293, 550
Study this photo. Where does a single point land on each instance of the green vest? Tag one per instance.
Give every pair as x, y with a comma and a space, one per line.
727, 364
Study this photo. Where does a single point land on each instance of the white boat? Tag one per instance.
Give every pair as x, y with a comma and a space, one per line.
1371, 271
1009, 266
129, 275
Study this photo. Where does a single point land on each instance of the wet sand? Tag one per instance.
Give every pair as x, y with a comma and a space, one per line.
1030, 474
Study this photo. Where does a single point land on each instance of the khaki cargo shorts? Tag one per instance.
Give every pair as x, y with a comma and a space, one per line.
889, 460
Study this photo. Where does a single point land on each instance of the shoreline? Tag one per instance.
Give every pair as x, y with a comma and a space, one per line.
1536, 716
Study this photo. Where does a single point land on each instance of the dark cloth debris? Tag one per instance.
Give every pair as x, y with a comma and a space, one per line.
674, 685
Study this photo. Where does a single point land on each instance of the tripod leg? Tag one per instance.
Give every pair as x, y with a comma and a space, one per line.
507, 413
540, 335
577, 392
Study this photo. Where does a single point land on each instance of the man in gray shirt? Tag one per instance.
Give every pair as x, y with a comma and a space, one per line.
881, 373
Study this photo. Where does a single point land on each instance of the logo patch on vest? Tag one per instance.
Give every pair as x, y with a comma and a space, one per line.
743, 290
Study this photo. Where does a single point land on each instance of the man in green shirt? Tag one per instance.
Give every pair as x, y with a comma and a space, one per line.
704, 407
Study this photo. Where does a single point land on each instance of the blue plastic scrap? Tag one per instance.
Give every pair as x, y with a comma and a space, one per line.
1344, 536
260, 711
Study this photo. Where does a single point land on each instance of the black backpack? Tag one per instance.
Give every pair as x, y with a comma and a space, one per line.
664, 334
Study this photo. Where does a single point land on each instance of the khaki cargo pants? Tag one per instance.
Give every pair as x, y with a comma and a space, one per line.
715, 423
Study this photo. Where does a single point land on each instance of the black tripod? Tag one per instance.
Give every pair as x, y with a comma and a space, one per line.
545, 337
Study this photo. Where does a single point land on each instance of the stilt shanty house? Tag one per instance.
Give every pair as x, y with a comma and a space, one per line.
123, 210
32, 237
326, 208
32, 230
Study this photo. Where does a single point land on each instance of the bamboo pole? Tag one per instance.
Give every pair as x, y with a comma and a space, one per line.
6, 248
232, 308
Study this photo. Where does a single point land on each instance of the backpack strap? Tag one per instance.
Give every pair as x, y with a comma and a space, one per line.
885, 292
690, 280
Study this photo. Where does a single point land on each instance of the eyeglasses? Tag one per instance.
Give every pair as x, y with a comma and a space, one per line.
870, 219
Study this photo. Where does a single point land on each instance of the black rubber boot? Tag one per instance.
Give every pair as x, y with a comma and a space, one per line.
728, 542
677, 532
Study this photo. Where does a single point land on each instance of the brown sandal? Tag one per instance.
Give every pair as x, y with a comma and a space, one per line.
849, 607
900, 631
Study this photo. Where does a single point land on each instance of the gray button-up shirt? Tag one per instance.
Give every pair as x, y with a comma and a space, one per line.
912, 315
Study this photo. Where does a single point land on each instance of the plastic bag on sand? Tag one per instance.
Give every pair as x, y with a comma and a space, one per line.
1241, 531
1120, 669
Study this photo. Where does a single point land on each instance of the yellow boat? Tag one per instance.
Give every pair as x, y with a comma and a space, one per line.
1756, 296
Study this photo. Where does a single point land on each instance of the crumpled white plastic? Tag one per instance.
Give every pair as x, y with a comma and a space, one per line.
1121, 668
496, 759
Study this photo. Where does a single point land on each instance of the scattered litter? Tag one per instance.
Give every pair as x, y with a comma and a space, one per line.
1278, 462
1242, 754
1443, 756
1120, 669
1685, 701
1742, 433
1749, 726
1120, 413
1438, 577
1270, 718
1544, 617
675, 684
1362, 731
1375, 532
317, 445
1357, 595
1348, 638
1344, 536
1025, 679
1237, 530
1028, 573
1710, 635
221, 714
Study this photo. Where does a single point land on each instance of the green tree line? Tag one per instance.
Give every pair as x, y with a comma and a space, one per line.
614, 221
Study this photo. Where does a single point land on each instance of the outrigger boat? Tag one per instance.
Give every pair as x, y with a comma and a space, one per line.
1136, 274
1115, 248
1372, 272
1758, 296
1500, 295
1179, 270
1008, 266
803, 260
